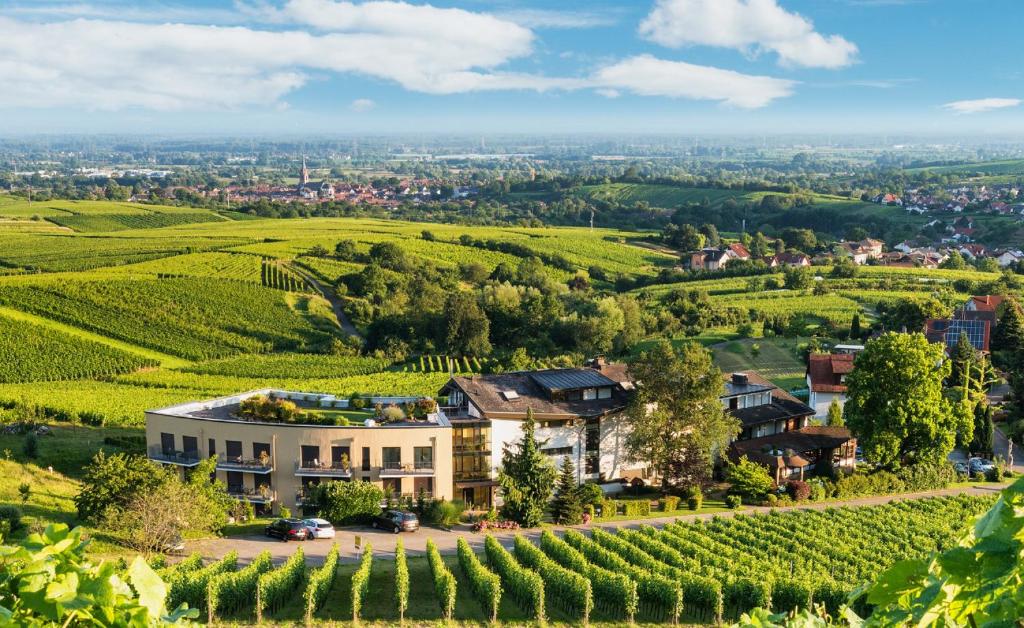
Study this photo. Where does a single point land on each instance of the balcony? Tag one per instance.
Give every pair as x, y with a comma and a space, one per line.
317, 469
252, 495
399, 470
179, 458
261, 466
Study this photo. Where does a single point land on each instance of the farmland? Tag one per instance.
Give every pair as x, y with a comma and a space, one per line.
695, 571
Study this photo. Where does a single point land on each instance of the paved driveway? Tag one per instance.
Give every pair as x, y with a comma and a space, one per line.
415, 542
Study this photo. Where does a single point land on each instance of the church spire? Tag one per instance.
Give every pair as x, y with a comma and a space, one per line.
304, 173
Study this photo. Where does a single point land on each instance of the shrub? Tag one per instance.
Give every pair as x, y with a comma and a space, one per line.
401, 580
526, 587
11, 516
749, 480
591, 493
798, 490
347, 502
571, 589
275, 588
609, 508
231, 591
694, 498
486, 584
818, 491
733, 501
668, 503
444, 581
445, 513
31, 445
771, 500
636, 507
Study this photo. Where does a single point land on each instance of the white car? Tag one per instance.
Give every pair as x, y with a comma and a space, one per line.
319, 528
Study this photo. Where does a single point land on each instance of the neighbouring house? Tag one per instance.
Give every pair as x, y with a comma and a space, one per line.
793, 260
948, 332
798, 453
1009, 258
579, 414
762, 407
272, 464
864, 250
737, 251
826, 380
709, 259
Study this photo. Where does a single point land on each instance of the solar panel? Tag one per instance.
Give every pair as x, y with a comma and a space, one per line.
973, 329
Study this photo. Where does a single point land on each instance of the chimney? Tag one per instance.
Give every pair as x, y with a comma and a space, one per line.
599, 361
740, 379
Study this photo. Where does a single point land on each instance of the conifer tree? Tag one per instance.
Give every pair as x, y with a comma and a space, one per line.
835, 414
566, 507
855, 326
526, 478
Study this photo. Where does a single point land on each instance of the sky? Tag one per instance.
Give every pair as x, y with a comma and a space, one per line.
512, 66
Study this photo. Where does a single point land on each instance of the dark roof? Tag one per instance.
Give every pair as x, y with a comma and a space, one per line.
777, 410
799, 441
489, 394
733, 389
555, 380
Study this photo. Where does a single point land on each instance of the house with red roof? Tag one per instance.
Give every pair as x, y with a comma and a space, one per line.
826, 380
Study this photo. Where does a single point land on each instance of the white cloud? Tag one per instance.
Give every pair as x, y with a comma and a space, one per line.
981, 105
648, 76
749, 25
100, 64
361, 105
554, 19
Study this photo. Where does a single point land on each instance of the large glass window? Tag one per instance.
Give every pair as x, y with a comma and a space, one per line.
190, 444
391, 457
167, 443
340, 457
423, 457
259, 450
310, 456
233, 450
366, 459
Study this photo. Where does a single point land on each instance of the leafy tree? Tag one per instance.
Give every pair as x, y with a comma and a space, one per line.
566, 507
389, 255
526, 478
675, 415
114, 481
758, 246
955, 261
800, 239
798, 278
710, 233
467, 326
346, 250
749, 480
911, 314
31, 445
683, 237
347, 502
835, 413
48, 581
895, 404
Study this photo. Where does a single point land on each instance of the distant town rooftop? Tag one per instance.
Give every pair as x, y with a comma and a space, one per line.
320, 406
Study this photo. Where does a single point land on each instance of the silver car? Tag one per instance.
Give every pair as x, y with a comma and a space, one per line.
319, 528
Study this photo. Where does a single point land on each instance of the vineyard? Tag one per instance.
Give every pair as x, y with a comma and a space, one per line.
191, 318
693, 572
32, 353
274, 275
122, 222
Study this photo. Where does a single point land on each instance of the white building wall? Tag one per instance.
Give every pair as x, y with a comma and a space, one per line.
821, 402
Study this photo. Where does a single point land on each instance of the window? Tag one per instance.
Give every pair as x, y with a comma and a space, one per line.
392, 486
234, 450
391, 457
425, 485
211, 448
593, 436
310, 456
366, 459
423, 457
191, 446
604, 393
589, 394
340, 457
167, 443
235, 485
573, 395
557, 451
470, 467
260, 448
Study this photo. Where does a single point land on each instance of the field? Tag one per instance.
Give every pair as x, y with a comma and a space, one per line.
670, 197
700, 571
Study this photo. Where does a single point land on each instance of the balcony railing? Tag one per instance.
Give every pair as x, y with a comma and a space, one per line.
316, 468
180, 458
397, 469
255, 496
241, 464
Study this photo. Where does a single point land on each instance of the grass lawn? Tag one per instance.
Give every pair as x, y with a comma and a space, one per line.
775, 358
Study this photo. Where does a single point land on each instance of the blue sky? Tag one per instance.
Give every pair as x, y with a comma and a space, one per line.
487, 66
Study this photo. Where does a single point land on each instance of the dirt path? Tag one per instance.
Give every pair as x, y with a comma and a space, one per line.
329, 294
415, 543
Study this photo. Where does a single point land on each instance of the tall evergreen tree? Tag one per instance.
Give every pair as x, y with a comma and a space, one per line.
835, 413
855, 326
1009, 332
526, 478
566, 507
963, 363
984, 430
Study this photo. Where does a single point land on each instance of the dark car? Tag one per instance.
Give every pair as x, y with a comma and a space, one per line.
396, 521
288, 530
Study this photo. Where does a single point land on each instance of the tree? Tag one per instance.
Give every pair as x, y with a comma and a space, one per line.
955, 261
152, 521
963, 362
347, 502
114, 481
710, 233
526, 477
895, 404
798, 277
800, 239
758, 246
855, 331
389, 255
346, 250
911, 314
468, 329
684, 237
835, 413
675, 418
1009, 332
984, 430
566, 508
31, 445
749, 480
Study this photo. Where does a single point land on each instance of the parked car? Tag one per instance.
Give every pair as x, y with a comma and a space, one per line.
397, 521
961, 467
319, 528
980, 465
288, 530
